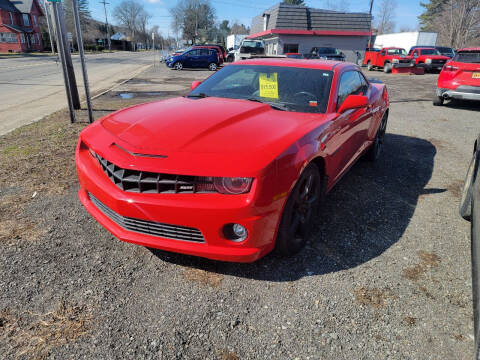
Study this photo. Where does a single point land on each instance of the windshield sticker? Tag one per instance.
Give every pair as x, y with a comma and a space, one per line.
268, 84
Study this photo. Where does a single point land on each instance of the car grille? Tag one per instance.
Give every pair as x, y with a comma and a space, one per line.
404, 61
153, 228
154, 183
438, 62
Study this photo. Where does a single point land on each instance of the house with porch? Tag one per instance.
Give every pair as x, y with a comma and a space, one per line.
20, 26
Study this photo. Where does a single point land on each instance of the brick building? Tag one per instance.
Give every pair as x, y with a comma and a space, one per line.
20, 26
292, 28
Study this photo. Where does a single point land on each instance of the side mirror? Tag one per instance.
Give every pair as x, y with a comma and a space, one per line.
195, 84
353, 102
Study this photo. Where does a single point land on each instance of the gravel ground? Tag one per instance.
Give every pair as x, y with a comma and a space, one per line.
386, 276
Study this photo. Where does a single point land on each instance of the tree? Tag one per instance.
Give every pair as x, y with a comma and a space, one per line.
194, 18
456, 21
294, 2
83, 13
385, 16
128, 13
239, 29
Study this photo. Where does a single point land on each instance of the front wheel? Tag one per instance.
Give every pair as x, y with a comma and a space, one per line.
178, 66
299, 212
387, 68
212, 67
369, 66
373, 154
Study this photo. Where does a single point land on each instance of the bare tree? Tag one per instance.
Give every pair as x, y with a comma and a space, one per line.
128, 14
386, 16
194, 18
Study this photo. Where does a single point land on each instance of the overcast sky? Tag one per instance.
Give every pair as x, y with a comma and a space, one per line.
244, 10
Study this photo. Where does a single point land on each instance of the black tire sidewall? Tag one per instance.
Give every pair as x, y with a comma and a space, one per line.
475, 254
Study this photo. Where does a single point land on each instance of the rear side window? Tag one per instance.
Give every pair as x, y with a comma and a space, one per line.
350, 84
203, 52
472, 57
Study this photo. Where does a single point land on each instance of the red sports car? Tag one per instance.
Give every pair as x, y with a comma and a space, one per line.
460, 77
238, 166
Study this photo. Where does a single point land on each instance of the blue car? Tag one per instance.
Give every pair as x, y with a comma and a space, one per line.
196, 58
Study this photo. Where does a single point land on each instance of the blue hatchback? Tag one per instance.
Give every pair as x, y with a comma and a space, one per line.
196, 58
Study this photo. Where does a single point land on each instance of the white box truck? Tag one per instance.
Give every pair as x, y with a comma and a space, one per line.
234, 41
406, 40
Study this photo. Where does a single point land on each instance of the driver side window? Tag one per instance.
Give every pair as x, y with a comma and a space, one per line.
350, 84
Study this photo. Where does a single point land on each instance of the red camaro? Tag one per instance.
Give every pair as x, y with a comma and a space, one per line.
238, 166
460, 77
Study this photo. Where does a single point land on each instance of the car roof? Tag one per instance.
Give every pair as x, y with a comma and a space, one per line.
300, 63
469, 49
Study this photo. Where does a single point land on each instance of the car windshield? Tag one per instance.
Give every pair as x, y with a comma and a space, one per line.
396, 52
430, 52
445, 50
284, 88
327, 50
472, 57
252, 44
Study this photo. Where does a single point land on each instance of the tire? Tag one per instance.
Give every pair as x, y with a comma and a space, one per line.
212, 67
465, 206
475, 253
437, 100
387, 68
375, 150
369, 66
299, 212
178, 66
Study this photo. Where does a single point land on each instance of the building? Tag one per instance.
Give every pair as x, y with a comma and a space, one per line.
20, 26
297, 29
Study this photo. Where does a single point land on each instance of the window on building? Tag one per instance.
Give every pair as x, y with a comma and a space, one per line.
290, 48
38, 39
26, 20
11, 18
22, 38
8, 38
35, 20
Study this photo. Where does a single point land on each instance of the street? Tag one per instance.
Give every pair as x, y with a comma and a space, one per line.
32, 87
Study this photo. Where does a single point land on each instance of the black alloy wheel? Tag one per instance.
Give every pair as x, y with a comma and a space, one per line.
376, 148
300, 212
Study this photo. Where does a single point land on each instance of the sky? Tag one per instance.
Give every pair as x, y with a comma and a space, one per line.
243, 11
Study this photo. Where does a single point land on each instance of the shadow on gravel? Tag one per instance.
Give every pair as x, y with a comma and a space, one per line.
365, 214
463, 105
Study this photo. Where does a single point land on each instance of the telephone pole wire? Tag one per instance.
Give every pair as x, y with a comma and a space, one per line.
106, 24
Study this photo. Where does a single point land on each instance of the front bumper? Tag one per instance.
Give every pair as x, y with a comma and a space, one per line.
461, 93
206, 212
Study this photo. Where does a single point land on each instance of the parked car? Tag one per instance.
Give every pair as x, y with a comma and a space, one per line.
195, 58
386, 58
430, 58
219, 49
294, 56
460, 77
420, 47
328, 53
250, 48
446, 51
470, 210
237, 167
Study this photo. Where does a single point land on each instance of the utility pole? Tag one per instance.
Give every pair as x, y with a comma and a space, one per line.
61, 43
370, 12
47, 11
106, 24
82, 58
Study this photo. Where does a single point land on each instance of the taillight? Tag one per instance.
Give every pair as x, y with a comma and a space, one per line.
449, 68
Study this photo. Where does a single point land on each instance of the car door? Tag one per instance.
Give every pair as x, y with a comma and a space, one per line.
203, 57
193, 58
350, 128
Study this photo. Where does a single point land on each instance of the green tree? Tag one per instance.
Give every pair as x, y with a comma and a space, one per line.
433, 9
294, 2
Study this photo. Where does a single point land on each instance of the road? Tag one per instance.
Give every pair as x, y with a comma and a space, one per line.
31, 88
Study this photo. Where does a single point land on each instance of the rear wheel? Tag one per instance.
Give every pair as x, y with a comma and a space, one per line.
178, 66
369, 66
387, 68
212, 67
437, 100
299, 213
373, 154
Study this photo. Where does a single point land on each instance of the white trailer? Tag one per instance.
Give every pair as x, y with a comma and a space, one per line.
234, 41
406, 40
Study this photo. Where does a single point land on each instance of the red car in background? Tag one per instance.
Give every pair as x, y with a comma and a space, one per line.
386, 58
237, 167
460, 77
428, 57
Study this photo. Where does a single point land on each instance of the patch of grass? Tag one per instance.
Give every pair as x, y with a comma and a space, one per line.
33, 336
203, 277
227, 355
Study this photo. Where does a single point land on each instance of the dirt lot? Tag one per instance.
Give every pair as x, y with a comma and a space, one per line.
387, 275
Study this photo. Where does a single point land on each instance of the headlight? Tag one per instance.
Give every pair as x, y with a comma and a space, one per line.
237, 185
395, 61
428, 61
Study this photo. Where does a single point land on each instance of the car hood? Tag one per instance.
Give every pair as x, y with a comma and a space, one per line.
228, 129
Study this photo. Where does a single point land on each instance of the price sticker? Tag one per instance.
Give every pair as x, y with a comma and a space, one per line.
268, 84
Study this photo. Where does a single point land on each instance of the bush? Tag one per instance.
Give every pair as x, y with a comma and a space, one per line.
100, 48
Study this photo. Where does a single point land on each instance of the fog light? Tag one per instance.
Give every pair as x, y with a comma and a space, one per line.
235, 232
